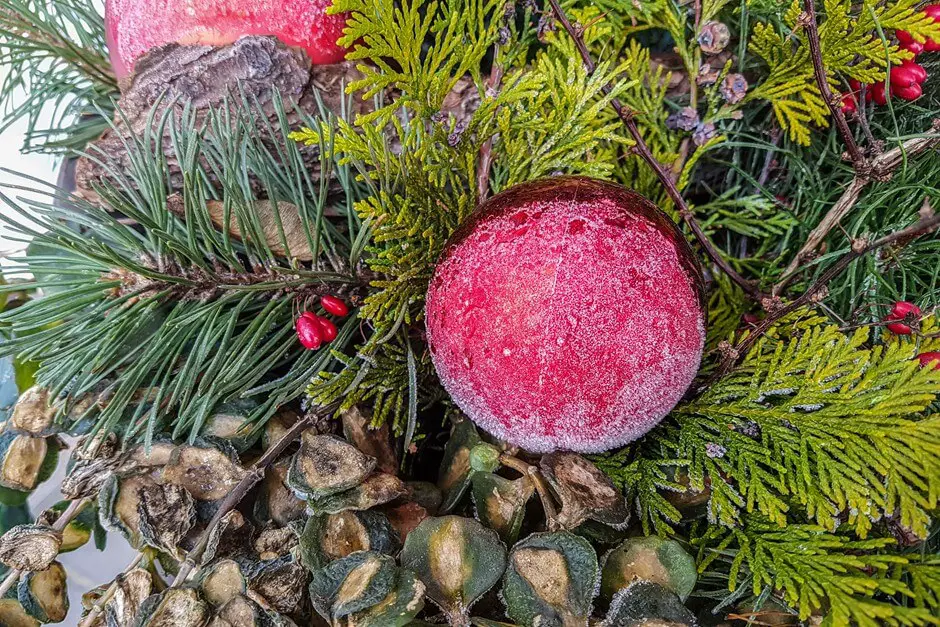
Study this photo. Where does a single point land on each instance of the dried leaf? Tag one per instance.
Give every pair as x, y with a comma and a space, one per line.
375, 442
334, 536
221, 581
454, 477
33, 413
230, 538
175, 607
294, 243
352, 584
133, 588
208, 470
282, 582
44, 594
501, 503
585, 492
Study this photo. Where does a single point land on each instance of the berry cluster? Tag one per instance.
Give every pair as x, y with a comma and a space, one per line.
904, 80
313, 330
901, 320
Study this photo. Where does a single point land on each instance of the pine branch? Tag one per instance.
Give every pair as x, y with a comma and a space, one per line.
627, 117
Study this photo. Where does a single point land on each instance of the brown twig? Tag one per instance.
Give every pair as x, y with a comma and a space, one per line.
252, 477
862, 167
541, 488
627, 117
882, 166
928, 222
60, 524
100, 603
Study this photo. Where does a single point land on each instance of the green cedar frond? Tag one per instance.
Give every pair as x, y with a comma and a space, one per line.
854, 582
166, 302
849, 47
757, 217
55, 53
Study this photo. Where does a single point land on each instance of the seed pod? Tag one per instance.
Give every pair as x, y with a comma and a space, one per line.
457, 559
646, 604
500, 503
326, 465
454, 477
222, 581
133, 588
282, 582
585, 492
44, 595
33, 414
12, 614
277, 502
334, 536
655, 559
156, 456
27, 461
398, 608
229, 422
30, 547
240, 611
79, 530
551, 580
713, 37
175, 607
278, 426
376, 490
119, 501
230, 538
352, 584
375, 442
274, 543
209, 470
166, 513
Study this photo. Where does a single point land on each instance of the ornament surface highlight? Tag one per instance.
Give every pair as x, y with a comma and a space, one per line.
567, 313
134, 27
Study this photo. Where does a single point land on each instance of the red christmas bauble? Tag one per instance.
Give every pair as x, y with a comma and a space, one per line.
567, 313
134, 27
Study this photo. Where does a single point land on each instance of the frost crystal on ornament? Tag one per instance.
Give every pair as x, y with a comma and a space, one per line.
567, 314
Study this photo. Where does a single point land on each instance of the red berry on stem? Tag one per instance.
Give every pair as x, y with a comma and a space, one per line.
909, 93
849, 104
567, 313
134, 27
927, 359
932, 11
308, 332
327, 329
903, 311
878, 94
334, 306
906, 74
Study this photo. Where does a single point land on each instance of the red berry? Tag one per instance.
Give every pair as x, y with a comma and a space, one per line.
904, 311
855, 85
906, 74
751, 320
904, 37
308, 332
932, 357
914, 47
327, 329
908, 93
849, 104
878, 94
334, 306
932, 10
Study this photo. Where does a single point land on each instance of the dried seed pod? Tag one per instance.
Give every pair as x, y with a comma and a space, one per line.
500, 503
12, 614
585, 492
277, 502
33, 413
30, 547
27, 461
734, 88
209, 470
646, 604
240, 611
352, 584
174, 607
713, 37
398, 608
157, 455
454, 477
376, 490
119, 501
457, 559
327, 465
222, 581
655, 559
166, 514
277, 426
282, 582
425, 494
133, 588
80, 529
551, 580
406, 517
230, 422
44, 595
335, 536
274, 543
375, 442
232, 538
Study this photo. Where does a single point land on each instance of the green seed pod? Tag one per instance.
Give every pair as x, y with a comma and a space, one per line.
398, 608
653, 559
334, 536
230, 422
377, 489
27, 461
208, 469
484, 458
501, 503
585, 492
646, 604
326, 465
551, 580
174, 607
457, 559
32, 414
352, 584
454, 477
221, 581
44, 595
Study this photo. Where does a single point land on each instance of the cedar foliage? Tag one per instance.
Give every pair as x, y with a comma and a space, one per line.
819, 439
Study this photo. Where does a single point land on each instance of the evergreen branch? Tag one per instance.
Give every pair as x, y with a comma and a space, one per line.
241, 489
832, 101
628, 119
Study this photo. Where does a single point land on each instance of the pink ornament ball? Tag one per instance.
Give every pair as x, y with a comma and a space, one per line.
567, 313
134, 27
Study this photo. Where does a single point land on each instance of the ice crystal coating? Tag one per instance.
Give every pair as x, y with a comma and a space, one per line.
134, 27
567, 314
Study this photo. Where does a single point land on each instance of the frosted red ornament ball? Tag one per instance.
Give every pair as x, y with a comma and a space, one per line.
567, 314
134, 27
